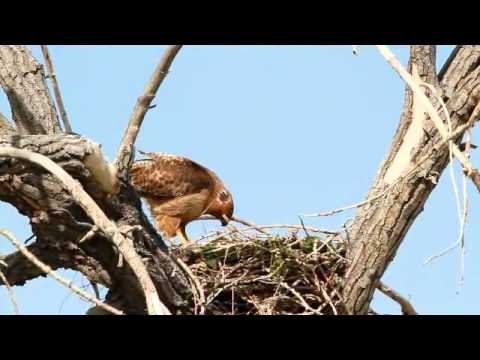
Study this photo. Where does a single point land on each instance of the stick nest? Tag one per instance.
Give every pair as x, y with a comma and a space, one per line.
265, 274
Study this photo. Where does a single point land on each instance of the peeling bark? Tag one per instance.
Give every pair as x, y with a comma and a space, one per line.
59, 223
379, 227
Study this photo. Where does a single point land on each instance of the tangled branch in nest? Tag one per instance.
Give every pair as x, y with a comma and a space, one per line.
259, 274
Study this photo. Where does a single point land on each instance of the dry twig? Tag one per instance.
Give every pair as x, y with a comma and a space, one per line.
10, 292
407, 308
258, 274
56, 88
49, 271
446, 136
125, 150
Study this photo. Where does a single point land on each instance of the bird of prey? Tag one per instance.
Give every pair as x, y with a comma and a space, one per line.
178, 191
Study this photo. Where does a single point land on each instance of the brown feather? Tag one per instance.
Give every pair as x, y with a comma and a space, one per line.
178, 190
169, 176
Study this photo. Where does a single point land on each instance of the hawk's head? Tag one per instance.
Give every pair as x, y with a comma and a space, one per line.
222, 206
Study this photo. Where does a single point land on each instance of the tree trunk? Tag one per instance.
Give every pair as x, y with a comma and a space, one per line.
380, 226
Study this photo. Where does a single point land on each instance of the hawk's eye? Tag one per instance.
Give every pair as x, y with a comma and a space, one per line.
223, 195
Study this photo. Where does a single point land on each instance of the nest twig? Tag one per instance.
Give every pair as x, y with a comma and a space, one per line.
258, 274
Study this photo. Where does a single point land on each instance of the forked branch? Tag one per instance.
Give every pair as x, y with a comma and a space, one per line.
154, 305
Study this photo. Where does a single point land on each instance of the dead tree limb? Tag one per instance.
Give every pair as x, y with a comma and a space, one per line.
59, 224
154, 305
407, 308
380, 226
124, 154
57, 221
10, 292
49, 271
56, 88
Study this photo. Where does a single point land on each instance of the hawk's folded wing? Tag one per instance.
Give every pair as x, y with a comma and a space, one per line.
165, 176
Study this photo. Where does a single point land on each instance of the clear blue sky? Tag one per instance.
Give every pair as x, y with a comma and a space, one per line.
290, 129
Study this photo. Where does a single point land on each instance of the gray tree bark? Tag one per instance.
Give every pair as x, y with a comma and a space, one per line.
379, 227
57, 222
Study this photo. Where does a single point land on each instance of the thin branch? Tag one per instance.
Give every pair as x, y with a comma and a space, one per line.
196, 283
125, 150
235, 219
407, 308
10, 292
56, 88
261, 227
463, 220
461, 238
48, 270
154, 305
300, 298
90, 233
248, 223
469, 124
474, 175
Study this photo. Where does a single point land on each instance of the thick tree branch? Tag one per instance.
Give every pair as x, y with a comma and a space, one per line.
23, 80
56, 88
154, 305
49, 271
58, 224
104, 173
380, 226
124, 154
19, 269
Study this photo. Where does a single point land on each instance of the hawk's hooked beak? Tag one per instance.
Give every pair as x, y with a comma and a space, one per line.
224, 220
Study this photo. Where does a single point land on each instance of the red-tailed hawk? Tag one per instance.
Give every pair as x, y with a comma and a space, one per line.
178, 190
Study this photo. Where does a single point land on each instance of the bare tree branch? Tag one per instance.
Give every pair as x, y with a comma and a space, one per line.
10, 292
379, 227
236, 219
18, 269
58, 223
407, 308
124, 154
154, 304
49, 271
56, 88
104, 173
